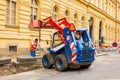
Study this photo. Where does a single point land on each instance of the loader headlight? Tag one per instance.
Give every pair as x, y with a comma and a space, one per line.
86, 43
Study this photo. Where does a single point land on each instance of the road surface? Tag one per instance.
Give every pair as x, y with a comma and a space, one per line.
105, 67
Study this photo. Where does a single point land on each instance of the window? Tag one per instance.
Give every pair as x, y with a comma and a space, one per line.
75, 18
57, 40
118, 15
99, 3
34, 9
82, 21
103, 4
78, 35
100, 33
106, 36
54, 13
106, 5
109, 33
66, 14
81, 36
115, 11
106, 32
112, 10
109, 7
11, 12
91, 27
12, 48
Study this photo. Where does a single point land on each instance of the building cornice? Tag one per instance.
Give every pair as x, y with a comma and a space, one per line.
98, 10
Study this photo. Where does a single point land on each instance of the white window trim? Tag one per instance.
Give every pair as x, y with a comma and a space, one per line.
10, 13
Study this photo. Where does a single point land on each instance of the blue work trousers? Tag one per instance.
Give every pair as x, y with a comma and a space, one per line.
32, 53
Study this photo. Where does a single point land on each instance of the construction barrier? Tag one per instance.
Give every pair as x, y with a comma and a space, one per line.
107, 49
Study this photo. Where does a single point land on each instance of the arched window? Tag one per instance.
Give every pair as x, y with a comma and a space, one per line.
112, 33
54, 13
66, 14
82, 21
109, 8
119, 35
112, 11
100, 32
106, 36
34, 9
75, 18
109, 33
118, 14
91, 27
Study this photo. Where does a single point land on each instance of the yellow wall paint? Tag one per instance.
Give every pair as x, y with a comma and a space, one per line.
21, 33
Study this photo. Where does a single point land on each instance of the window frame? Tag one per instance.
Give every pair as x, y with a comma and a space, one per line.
54, 13
13, 48
82, 21
9, 16
33, 6
56, 40
66, 14
75, 18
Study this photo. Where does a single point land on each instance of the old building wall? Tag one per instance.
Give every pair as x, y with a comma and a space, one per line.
104, 13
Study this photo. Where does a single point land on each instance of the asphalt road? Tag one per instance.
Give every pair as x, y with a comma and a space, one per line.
104, 68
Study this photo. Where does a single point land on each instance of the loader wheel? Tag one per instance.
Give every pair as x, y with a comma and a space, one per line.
48, 61
85, 66
61, 63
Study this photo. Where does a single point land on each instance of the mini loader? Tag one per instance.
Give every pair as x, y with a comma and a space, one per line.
70, 46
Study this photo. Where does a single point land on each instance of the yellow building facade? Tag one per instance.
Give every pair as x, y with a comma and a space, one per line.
101, 17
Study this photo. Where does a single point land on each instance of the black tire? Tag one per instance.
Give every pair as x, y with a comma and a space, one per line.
48, 61
61, 63
85, 66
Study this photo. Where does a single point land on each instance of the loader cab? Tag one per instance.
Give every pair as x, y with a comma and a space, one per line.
82, 37
56, 39
57, 45
78, 35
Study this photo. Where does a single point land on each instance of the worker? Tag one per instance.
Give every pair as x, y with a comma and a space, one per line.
78, 35
33, 47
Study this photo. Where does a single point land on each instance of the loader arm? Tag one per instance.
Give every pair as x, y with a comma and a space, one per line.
49, 22
52, 23
57, 25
